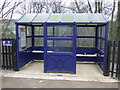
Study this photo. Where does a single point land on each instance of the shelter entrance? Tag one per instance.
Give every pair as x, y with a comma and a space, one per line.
59, 52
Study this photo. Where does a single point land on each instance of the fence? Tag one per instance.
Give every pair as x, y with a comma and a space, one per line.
113, 59
8, 54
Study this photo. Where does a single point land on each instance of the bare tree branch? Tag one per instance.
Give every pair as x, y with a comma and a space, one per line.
118, 22
4, 15
96, 6
78, 8
90, 8
112, 37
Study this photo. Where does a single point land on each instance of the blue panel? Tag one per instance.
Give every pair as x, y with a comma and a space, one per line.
60, 63
38, 48
100, 62
25, 56
38, 56
88, 50
100, 59
87, 59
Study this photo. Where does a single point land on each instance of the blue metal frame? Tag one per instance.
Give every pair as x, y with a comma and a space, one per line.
45, 48
105, 48
17, 49
96, 37
32, 36
74, 45
100, 60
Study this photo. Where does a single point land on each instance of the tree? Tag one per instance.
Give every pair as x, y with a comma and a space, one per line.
78, 7
7, 11
31, 6
112, 36
118, 21
98, 4
90, 7
57, 7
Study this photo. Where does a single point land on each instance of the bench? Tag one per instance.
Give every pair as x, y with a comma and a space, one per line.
78, 55
86, 55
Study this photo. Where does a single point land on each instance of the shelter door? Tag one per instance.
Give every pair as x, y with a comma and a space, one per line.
59, 55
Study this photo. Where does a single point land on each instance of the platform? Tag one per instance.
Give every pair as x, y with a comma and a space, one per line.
85, 72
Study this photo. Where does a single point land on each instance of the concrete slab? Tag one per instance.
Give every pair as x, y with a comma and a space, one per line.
9, 82
85, 72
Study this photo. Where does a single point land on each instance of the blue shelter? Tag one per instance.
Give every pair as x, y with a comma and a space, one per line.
61, 40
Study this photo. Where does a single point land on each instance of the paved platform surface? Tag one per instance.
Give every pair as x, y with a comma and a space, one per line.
84, 72
8, 82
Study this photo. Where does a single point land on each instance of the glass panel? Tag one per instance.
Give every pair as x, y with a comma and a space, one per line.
85, 31
99, 31
50, 31
97, 18
38, 30
103, 31
60, 45
102, 45
22, 36
29, 31
82, 18
29, 42
67, 18
85, 42
50, 43
38, 41
27, 18
54, 18
60, 31
41, 18
99, 43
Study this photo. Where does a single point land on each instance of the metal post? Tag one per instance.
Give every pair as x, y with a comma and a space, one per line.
96, 40
17, 49
45, 48
32, 36
96, 35
74, 45
100, 38
53, 35
105, 50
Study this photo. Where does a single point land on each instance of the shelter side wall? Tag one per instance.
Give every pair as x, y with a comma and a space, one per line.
25, 57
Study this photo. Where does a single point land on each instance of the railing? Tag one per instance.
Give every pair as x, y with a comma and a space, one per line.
113, 58
8, 54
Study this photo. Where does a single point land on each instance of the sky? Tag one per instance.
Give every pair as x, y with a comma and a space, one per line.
16, 16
